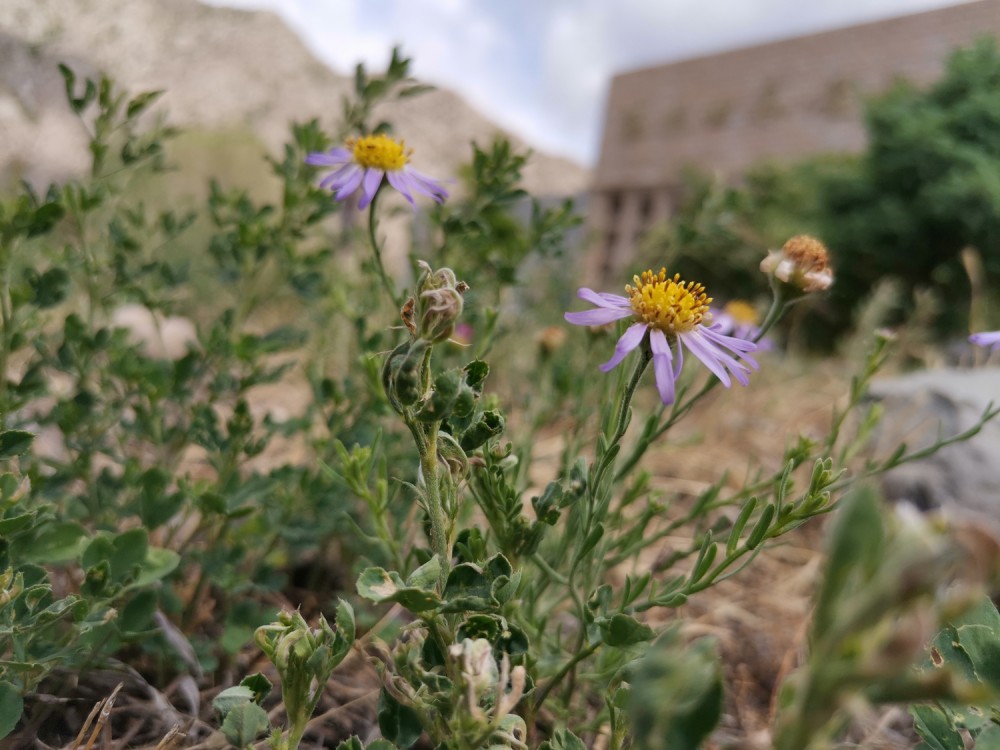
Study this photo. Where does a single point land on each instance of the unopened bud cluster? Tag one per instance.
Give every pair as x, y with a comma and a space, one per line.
433, 311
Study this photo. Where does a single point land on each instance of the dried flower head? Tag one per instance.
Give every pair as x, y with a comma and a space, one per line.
551, 339
803, 262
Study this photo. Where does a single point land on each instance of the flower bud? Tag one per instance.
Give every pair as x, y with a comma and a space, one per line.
803, 262
402, 374
489, 425
446, 389
438, 303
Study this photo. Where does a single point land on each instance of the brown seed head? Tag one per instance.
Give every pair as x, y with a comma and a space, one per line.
807, 252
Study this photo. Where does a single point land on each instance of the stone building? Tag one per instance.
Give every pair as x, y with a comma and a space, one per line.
725, 112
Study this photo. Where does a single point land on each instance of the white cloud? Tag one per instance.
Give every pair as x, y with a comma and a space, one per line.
540, 69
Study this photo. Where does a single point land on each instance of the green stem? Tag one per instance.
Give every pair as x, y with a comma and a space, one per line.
778, 304
435, 509
6, 330
387, 284
608, 458
579, 656
597, 500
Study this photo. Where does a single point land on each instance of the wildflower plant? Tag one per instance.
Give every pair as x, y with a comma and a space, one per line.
502, 606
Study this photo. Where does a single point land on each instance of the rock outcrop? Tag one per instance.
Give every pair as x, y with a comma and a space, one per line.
221, 68
924, 407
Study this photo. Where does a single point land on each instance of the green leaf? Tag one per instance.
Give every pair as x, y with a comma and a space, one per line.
760, 528
156, 506
475, 374
54, 543
426, 576
468, 590
381, 586
676, 696
739, 524
10, 525
50, 288
989, 738
136, 615
399, 724
159, 563
624, 630
244, 723
139, 103
856, 546
352, 743
563, 739
342, 635
131, 550
8, 485
480, 626
497, 566
592, 539
935, 729
978, 633
11, 707
231, 697
259, 684
14, 443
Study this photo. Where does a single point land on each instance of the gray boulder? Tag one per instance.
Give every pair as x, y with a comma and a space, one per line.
923, 407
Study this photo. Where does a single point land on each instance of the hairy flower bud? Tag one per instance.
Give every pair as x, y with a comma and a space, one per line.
803, 262
402, 373
438, 303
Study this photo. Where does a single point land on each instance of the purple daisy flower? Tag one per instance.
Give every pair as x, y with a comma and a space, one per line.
737, 318
987, 338
365, 161
671, 312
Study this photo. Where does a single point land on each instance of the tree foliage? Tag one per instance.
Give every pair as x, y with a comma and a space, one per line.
927, 187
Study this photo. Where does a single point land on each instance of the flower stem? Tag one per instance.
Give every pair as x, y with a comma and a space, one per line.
387, 283
558, 677
607, 459
778, 304
432, 500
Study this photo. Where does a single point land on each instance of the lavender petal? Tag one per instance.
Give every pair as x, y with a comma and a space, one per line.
662, 369
596, 317
629, 340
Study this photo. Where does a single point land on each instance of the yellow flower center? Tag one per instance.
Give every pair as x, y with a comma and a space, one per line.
379, 152
671, 305
742, 312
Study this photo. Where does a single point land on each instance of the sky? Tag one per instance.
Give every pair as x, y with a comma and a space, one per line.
541, 68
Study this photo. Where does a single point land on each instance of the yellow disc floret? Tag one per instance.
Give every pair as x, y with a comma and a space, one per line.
670, 305
379, 152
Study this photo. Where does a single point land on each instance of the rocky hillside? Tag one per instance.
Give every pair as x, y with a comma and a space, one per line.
222, 70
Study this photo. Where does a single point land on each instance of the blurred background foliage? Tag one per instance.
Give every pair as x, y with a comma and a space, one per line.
926, 188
